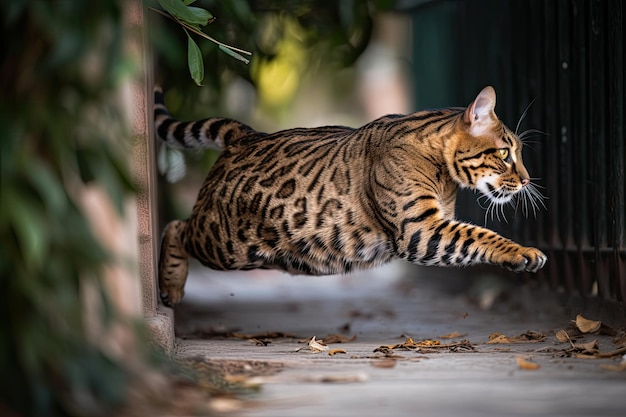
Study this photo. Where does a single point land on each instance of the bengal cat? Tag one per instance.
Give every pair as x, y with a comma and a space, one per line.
335, 199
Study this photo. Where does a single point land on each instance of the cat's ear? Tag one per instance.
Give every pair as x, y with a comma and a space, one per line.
480, 115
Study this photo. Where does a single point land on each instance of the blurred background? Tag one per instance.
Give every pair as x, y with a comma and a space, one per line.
324, 62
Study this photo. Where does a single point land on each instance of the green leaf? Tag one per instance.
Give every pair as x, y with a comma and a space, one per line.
201, 14
233, 54
187, 14
194, 59
29, 225
48, 186
188, 2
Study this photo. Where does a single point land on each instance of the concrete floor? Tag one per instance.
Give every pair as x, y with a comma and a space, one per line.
383, 307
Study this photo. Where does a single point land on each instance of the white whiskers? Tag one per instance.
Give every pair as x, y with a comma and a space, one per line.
523, 116
528, 199
529, 133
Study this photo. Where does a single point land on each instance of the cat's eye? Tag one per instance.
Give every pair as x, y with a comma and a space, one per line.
503, 153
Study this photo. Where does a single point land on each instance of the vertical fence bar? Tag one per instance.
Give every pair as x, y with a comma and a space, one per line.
564, 156
616, 156
580, 175
551, 126
597, 137
535, 82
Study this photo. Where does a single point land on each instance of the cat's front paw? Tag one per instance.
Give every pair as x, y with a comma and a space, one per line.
525, 259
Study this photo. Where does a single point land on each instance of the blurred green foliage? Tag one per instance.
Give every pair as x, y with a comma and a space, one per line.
332, 32
60, 129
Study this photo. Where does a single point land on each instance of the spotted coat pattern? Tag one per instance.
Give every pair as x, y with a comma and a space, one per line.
335, 199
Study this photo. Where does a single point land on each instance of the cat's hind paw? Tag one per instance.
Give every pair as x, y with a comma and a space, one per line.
173, 265
172, 296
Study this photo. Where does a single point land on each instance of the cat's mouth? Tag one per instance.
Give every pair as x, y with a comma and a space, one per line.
498, 195
527, 197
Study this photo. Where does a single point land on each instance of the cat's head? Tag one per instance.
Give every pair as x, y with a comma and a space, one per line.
486, 155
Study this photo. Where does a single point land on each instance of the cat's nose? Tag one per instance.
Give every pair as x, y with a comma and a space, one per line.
525, 182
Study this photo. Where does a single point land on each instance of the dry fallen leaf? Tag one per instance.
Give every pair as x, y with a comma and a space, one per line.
317, 346
586, 325
453, 335
588, 347
427, 346
333, 352
562, 336
528, 337
527, 365
337, 338
497, 337
428, 343
591, 350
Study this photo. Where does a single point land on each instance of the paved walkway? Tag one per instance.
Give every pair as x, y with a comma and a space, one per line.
385, 307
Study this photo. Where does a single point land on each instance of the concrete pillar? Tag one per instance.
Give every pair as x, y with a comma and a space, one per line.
143, 164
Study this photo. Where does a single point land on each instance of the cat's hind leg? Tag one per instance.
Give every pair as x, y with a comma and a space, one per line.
173, 264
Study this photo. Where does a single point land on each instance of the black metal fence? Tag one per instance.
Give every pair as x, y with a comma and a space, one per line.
569, 57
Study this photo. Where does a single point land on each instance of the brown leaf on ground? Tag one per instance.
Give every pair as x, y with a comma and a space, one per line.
337, 338
453, 335
427, 343
570, 334
317, 346
333, 352
562, 336
527, 337
527, 365
590, 348
586, 325
593, 326
385, 349
427, 346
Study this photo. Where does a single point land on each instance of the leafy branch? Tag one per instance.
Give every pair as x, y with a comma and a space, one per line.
190, 19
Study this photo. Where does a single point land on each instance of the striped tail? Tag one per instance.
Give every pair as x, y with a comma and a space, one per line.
212, 133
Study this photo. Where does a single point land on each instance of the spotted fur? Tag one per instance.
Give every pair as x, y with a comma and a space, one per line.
335, 199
